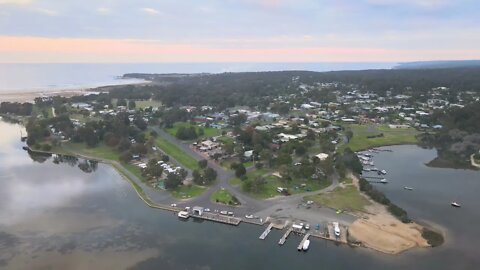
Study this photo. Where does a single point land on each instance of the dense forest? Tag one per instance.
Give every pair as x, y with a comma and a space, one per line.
460, 135
250, 88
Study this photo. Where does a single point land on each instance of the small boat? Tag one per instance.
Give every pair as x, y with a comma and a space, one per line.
183, 214
383, 172
408, 188
455, 204
249, 216
383, 181
307, 226
306, 244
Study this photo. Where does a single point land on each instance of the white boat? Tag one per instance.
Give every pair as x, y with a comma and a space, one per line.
249, 216
336, 229
383, 181
408, 188
383, 172
307, 226
183, 214
306, 244
455, 204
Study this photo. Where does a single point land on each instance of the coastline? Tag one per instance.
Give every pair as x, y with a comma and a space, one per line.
379, 230
30, 95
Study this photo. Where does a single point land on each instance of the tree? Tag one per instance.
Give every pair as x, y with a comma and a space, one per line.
210, 175
132, 105
284, 171
203, 163
258, 184
125, 157
153, 168
165, 158
238, 119
240, 170
122, 102
349, 134
201, 132
140, 122
197, 177
300, 150
173, 181
182, 173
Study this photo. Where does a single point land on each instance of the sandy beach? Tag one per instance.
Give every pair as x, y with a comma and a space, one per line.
29, 96
21, 96
379, 230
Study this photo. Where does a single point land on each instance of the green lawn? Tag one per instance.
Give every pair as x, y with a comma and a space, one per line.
344, 198
273, 182
391, 136
147, 103
186, 192
100, 151
177, 153
105, 152
250, 175
224, 197
208, 132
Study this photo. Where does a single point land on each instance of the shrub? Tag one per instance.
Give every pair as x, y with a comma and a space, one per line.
46, 147
433, 238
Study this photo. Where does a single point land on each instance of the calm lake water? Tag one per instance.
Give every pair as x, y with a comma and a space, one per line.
54, 77
56, 216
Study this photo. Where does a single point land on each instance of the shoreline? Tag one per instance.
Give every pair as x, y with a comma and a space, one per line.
375, 228
379, 230
30, 95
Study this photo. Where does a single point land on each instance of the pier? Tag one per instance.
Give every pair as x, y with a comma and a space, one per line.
300, 246
266, 232
285, 236
218, 218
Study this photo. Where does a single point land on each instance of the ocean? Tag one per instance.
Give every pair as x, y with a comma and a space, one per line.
54, 77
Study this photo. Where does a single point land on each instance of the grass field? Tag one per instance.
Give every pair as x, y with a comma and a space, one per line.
391, 136
177, 153
147, 103
185, 192
208, 132
345, 198
100, 151
224, 197
273, 182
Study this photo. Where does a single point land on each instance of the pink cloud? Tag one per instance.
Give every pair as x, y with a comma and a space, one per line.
37, 49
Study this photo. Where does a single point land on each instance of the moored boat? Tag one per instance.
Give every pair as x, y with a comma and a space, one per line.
306, 244
455, 204
408, 188
183, 214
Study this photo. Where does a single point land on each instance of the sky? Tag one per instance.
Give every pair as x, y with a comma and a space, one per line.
165, 31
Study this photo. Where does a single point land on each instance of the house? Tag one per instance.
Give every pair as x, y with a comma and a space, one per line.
322, 156
248, 154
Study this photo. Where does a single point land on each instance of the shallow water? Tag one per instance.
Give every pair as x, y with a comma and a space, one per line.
56, 216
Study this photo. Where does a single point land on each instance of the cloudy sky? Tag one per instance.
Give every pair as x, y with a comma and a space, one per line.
133, 31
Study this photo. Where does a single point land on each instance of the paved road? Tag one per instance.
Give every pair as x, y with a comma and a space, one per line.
281, 207
248, 204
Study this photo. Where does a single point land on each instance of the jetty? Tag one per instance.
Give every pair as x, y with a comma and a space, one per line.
218, 218
266, 232
285, 236
300, 246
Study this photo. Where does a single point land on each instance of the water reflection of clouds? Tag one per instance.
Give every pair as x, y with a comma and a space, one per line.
21, 197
